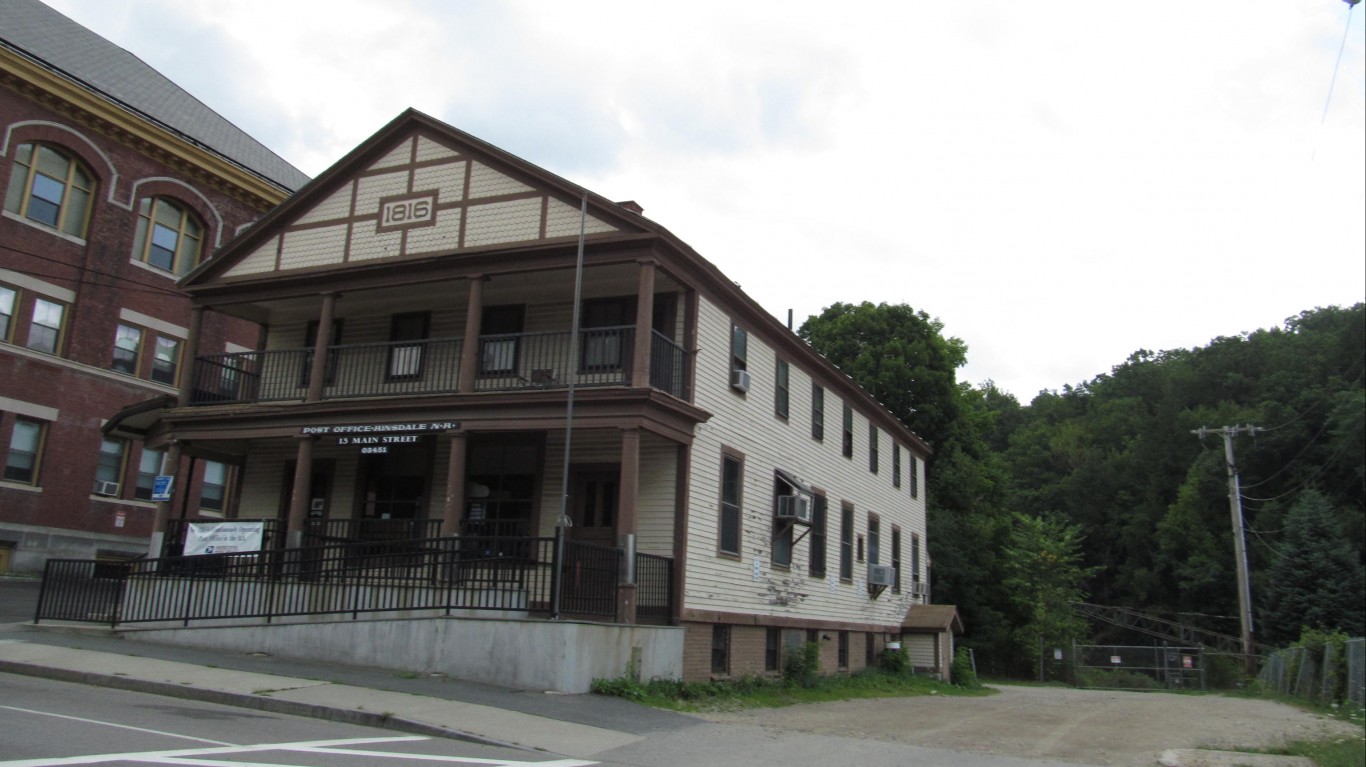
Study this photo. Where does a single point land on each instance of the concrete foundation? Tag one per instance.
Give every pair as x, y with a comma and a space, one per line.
561, 656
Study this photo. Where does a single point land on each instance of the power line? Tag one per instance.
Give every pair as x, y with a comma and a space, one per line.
130, 284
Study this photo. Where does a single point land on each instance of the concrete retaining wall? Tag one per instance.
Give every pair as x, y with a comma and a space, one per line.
563, 656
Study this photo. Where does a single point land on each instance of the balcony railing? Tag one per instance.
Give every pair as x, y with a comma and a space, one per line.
508, 361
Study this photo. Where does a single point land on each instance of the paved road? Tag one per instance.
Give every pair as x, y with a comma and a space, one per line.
44, 722
18, 599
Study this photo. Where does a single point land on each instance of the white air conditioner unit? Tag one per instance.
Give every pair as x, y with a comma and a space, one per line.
919, 589
795, 507
739, 380
881, 575
103, 487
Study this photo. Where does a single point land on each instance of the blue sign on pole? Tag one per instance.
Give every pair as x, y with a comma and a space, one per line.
161, 487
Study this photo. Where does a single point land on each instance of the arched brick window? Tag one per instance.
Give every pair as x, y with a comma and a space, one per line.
170, 236
51, 187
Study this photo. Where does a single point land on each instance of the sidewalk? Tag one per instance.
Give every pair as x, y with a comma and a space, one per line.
573, 725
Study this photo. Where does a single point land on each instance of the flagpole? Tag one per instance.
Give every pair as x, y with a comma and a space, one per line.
564, 522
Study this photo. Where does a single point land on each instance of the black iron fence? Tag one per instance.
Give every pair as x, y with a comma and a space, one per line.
507, 361
321, 532
445, 575
654, 588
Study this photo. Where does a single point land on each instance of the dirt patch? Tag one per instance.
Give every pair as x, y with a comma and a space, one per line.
1084, 726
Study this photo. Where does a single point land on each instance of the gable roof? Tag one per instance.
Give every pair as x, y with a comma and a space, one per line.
64, 47
934, 618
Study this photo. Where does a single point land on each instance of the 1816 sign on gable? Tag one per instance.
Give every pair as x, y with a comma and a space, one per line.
407, 211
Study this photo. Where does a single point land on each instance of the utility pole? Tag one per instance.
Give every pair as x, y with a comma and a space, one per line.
1235, 503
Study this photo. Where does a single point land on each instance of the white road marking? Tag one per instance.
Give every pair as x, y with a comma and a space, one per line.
196, 757
113, 724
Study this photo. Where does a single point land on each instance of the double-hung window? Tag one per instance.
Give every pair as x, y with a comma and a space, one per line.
214, 489
499, 339
149, 466
896, 464
847, 443
109, 468
51, 188
45, 332
846, 542
780, 389
606, 326
406, 334
169, 235
915, 476
166, 360
24, 458
874, 540
872, 448
817, 412
732, 477
896, 559
819, 521
9, 298
127, 349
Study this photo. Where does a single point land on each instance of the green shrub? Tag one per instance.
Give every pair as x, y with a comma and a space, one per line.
894, 661
803, 668
961, 671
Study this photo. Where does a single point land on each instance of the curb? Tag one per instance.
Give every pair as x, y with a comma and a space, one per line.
256, 702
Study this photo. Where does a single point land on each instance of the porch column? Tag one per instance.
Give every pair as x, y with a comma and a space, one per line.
645, 315
187, 377
474, 314
626, 520
455, 485
170, 464
299, 494
317, 374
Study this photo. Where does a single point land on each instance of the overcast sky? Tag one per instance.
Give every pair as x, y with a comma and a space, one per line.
1060, 183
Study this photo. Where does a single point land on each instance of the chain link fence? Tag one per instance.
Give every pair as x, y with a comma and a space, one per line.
1137, 667
1330, 675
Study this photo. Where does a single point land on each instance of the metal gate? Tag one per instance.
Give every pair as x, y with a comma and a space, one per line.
1136, 667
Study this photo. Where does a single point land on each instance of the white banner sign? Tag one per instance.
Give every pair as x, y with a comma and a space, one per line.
223, 537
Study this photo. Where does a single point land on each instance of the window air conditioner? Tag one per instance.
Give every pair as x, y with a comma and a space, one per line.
739, 380
795, 507
103, 487
919, 589
881, 575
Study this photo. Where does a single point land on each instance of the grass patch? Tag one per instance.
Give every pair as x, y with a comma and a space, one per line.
1336, 752
772, 692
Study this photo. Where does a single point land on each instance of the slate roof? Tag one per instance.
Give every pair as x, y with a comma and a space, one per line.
63, 46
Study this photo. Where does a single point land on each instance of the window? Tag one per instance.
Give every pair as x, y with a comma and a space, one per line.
915, 558
896, 560
605, 324
872, 448
25, 450
213, 491
817, 412
405, 359
846, 542
51, 188
732, 473
874, 540
169, 235
739, 348
149, 466
816, 559
915, 477
782, 543
842, 659
896, 464
773, 649
127, 344
847, 444
166, 360
109, 469
780, 391
499, 331
45, 334
869, 649
720, 649
8, 298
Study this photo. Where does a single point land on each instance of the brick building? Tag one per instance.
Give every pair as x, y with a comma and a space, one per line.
116, 183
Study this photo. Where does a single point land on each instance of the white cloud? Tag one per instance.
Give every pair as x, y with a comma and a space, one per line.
1062, 183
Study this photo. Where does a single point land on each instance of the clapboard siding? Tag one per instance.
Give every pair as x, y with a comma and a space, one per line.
747, 423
